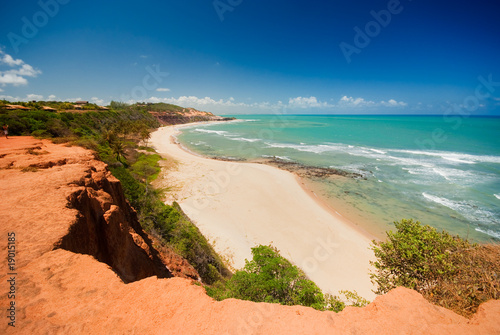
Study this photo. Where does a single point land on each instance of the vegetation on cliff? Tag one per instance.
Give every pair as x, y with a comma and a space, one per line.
447, 270
269, 277
114, 135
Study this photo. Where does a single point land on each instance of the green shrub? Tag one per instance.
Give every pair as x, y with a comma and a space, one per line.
41, 133
446, 269
336, 303
269, 277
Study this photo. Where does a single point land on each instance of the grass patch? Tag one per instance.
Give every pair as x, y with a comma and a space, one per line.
29, 169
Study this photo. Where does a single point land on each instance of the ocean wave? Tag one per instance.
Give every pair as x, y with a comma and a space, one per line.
200, 143
284, 158
378, 151
430, 164
497, 196
415, 171
454, 174
454, 205
469, 210
317, 149
455, 157
208, 131
489, 232
356, 168
243, 139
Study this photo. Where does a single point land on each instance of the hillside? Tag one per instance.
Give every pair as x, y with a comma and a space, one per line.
81, 264
168, 114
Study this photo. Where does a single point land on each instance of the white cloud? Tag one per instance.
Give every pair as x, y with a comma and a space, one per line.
162, 89
34, 97
12, 79
9, 98
96, 100
393, 103
15, 76
346, 101
26, 70
51, 97
303, 102
1, 90
7, 59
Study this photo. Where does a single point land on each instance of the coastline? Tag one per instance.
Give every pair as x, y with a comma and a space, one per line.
238, 205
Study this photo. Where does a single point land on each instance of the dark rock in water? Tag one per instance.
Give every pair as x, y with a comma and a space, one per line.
228, 159
311, 171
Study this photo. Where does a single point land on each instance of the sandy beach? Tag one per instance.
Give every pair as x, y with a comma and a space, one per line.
240, 205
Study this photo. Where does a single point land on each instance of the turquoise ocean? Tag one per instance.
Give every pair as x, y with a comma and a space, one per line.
442, 171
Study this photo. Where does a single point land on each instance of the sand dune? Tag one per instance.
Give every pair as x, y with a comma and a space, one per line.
241, 205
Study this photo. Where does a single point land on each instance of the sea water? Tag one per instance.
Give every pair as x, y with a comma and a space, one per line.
442, 171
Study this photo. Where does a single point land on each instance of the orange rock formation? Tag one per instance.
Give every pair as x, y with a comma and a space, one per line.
81, 264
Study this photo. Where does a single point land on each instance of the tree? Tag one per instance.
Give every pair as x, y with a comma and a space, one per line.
116, 105
145, 136
118, 148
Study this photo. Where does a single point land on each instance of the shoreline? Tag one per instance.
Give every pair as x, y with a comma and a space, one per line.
305, 184
238, 205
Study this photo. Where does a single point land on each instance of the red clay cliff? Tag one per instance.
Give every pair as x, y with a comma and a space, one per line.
81, 264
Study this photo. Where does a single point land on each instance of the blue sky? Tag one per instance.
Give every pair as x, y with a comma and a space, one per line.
242, 56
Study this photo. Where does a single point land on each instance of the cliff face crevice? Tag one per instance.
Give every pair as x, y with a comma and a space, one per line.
106, 227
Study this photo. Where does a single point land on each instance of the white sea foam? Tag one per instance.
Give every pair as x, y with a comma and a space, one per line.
456, 157
218, 132
497, 196
200, 143
243, 139
284, 158
456, 174
415, 171
489, 232
445, 202
469, 210
307, 148
378, 151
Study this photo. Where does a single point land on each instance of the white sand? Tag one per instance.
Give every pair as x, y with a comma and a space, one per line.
240, 205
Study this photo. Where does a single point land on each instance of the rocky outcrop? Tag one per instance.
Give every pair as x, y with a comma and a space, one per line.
103, 225
77, 258
107, 228
186, 116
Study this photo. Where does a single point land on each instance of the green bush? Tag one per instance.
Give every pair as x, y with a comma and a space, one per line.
269, 277
415, 256
446, 269
336, 303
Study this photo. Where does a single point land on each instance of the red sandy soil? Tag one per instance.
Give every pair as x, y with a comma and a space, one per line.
84, 266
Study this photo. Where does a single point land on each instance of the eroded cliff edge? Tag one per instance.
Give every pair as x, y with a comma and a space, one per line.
84, 265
